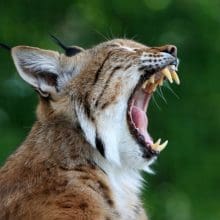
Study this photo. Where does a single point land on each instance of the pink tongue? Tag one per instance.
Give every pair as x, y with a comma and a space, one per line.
140, 120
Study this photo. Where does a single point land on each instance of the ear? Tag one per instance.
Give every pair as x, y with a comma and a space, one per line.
39, 68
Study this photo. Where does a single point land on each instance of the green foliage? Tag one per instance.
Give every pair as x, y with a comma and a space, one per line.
186, 184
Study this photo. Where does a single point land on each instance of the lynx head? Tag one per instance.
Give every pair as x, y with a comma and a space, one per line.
105, 91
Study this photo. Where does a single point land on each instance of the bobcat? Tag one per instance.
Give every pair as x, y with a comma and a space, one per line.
84, 154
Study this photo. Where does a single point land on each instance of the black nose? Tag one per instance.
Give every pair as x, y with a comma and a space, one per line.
171, 49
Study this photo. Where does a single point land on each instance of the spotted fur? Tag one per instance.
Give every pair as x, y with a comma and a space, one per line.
80, 160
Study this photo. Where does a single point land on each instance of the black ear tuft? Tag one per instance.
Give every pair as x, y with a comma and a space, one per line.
69, 50
57, 41
4, 46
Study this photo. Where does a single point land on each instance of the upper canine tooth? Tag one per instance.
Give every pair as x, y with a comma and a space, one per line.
175, 77
167, 73
152, 79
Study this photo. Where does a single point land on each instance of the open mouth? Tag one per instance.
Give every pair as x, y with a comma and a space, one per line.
137, 108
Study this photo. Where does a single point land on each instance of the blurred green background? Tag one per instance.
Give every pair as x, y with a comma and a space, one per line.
186, 184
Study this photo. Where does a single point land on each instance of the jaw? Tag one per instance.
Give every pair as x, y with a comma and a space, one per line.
137, 107
116, 126
121, 148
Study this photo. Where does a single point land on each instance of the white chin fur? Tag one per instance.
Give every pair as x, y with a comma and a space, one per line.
123, 156
119, 145
110, 125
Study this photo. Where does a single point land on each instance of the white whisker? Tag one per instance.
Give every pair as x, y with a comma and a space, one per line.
167, 85
101, 34
156, 103
160, 93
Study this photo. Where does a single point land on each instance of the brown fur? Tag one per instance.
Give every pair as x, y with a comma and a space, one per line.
52, 175
48, 180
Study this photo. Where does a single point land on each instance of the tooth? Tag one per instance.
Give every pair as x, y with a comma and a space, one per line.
167, 73
158, 141
159, 147
154, 87
145, 84
152, 79
151, 88
162, 146
161, 81
172, 67
155, 145
175, 77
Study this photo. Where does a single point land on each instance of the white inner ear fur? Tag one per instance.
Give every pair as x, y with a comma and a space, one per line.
38, 67
30, 62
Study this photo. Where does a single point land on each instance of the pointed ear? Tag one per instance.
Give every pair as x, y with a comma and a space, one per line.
40, 68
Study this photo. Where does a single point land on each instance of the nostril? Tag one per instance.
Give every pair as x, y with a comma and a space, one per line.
172, 50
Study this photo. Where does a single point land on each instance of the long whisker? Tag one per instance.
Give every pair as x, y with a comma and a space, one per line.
172, 91
134, 37
101, 34
160, 93
125, 35
156, 103
112, 35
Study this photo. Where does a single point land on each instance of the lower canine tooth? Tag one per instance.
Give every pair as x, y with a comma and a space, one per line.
175, 77
155, 145
167, 73
158, 141
159, 147
162, 146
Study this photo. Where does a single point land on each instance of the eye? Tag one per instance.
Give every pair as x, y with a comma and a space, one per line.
114, 45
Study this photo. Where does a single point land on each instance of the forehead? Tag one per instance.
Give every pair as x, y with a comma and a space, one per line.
124, 43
